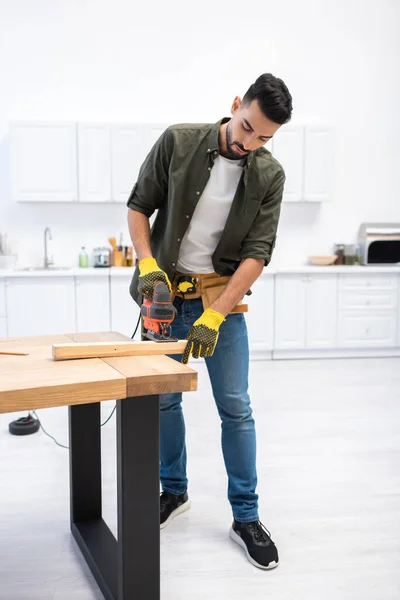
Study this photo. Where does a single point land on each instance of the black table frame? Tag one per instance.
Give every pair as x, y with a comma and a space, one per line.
127, 568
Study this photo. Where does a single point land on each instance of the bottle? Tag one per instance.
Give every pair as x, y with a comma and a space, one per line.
83, 258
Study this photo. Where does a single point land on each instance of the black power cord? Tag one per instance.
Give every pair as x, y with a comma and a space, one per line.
28, 425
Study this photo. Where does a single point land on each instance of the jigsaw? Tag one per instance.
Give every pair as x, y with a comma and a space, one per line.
158, 314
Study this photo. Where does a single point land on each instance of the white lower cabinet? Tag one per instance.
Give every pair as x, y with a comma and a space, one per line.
124, 311
368, 311
321, 311
3, 327
40, 306
305, 311
365, 329
92, 303
260, 316
290, 312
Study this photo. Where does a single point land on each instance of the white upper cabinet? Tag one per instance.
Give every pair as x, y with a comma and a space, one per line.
288, 149
130, 145
318, 164
43, 162
94, 162
85, 162
126, 158
306, 155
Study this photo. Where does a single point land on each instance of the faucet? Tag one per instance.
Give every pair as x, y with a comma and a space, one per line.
47, 260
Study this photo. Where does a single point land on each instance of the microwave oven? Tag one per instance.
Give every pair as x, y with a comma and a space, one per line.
379, 243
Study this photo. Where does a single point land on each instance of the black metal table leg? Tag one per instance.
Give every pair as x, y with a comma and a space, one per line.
127, 569
138, 476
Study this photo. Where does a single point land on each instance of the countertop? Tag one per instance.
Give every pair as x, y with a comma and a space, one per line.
128, 271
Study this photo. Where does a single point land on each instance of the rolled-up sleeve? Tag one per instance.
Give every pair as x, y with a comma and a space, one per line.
260, 241
151, 188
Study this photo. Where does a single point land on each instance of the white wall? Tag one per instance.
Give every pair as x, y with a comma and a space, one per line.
182, 61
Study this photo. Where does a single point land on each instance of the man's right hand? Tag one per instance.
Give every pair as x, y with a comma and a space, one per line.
149, 274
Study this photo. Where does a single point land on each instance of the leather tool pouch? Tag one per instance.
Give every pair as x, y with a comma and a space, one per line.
208, 287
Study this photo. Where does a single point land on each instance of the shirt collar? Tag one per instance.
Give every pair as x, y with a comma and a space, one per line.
213, 145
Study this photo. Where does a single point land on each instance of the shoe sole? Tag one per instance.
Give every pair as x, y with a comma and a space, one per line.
178, 511
236, 538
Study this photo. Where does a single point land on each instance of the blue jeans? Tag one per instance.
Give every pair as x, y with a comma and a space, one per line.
228, 371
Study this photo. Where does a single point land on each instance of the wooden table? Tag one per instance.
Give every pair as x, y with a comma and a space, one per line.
126, 568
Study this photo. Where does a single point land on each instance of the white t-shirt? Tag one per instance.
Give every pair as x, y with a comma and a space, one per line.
209, 218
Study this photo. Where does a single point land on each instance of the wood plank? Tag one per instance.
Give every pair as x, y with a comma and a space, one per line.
36, 384
105, 349
148, 375
36, 381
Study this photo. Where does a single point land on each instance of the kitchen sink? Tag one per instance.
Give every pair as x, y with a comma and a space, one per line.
43, 269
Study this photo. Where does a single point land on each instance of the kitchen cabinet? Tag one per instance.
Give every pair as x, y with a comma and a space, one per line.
260, 317
92, 298
94, 162
368, 310
3, 327
290, 312
318, 164
306, 154
2, 298
306, 311
288, 149
85, 162
43, 161
126, 157
130, 144
124, 311
363, 330
40, 306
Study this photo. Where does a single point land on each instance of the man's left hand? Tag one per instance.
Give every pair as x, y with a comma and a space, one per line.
203, 335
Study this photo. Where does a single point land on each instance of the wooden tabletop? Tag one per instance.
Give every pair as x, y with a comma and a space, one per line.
38, 381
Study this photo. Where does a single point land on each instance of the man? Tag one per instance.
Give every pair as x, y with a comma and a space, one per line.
218, 193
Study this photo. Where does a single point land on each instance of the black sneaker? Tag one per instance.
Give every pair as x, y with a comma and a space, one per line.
171, 506
256, 541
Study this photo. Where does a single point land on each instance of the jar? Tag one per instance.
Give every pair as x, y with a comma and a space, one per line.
349, 254
339, 251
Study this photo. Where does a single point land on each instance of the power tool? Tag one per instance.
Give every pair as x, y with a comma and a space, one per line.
158, 314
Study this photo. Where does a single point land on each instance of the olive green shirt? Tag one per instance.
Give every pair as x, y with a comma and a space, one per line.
172, 179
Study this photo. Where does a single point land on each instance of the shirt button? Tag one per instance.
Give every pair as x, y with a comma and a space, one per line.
197, 193
209, 168
173, 264
179, 239
187, 216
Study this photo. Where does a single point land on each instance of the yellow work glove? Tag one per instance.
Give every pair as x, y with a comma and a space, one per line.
149, 274
203, 335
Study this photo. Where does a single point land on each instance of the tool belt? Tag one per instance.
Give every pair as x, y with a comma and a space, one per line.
207, 286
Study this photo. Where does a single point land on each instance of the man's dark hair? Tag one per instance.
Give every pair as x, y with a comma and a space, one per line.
273, 98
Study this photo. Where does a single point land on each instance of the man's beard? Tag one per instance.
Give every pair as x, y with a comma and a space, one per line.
230, 146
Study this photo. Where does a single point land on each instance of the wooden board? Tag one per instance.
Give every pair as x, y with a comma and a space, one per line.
118, 348
38, 381
154, 375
